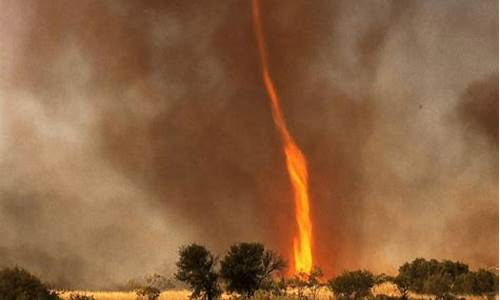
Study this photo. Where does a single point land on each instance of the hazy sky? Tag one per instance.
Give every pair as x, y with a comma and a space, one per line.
128, 128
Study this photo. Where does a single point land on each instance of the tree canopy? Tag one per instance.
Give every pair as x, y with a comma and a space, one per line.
196, 267
17, 283
352, 285
248, 266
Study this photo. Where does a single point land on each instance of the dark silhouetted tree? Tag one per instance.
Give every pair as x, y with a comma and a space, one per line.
352, 285
482, 282
403, 284
19, 284
487, 282
248, 267
429, 277
444, 279
196, 267
413, 274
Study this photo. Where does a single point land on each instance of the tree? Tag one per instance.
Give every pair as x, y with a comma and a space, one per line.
430, 277
352, 285
482, 282
412, 275
307, 282
453, 269
248, 267
439, 285
403, 283
19, 284
487, 282
196, 267
444, 278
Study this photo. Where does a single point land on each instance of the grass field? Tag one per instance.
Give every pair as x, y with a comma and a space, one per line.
104, 295
382, 289
168, 295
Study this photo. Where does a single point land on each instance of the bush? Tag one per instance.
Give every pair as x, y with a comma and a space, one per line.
133, 284
77, 296
299, 283
482, 282
158, 281
313, 282
444, 278
19, 284
352, 285
248, 267
384, 297
147, 293
154, 280
310, 282
487, 282
277, 287
430, 277
196, 267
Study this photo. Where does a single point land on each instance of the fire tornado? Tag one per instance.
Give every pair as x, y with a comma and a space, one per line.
295, 161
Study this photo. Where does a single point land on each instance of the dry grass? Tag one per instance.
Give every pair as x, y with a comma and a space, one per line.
102, 295
385, 289
390, 289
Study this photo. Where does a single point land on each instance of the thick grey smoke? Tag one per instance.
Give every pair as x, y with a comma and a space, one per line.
130, 128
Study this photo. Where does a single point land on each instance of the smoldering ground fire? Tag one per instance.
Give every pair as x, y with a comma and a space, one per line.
140, 126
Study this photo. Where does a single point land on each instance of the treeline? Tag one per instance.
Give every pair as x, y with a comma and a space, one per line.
444, 278
250, 268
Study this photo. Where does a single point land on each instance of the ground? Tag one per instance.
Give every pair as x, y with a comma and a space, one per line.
385, 288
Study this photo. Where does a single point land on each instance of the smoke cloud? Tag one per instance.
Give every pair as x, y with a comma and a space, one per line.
130, 128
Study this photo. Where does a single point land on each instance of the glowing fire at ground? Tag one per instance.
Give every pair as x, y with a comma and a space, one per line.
295, 161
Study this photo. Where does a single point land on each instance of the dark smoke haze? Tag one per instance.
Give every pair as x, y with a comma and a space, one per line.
128, 128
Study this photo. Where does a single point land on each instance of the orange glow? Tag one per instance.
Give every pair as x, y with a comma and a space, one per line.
295, 161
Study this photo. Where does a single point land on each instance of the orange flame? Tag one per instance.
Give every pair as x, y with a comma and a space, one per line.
295, 162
